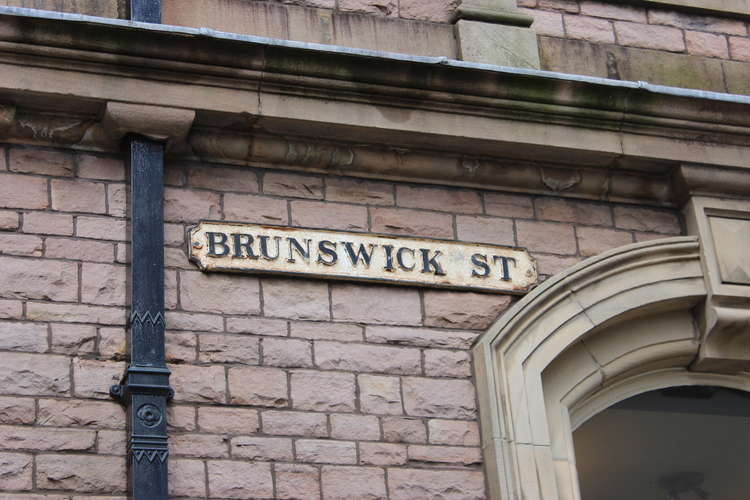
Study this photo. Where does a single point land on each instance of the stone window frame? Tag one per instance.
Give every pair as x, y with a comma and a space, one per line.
614, 326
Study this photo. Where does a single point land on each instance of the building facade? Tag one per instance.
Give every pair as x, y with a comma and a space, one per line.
607, 139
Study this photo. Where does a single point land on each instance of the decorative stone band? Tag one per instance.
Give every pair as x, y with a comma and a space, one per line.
252, 248
420, 165
308, 154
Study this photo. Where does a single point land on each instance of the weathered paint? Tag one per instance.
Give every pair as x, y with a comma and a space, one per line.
254, 248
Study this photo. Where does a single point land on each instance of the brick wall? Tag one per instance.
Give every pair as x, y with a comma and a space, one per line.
424, 10
285, 388
62, 298
101, 8
596, 21
611, 22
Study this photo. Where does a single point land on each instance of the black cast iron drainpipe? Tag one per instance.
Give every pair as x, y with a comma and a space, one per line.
145, 387
146, 11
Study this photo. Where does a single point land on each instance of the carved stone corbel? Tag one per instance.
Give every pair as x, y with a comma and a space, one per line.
66, 130
43, 127
723, 226
157, 123
725, 346
710, 181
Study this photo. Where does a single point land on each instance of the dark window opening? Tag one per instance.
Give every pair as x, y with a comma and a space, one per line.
679, 443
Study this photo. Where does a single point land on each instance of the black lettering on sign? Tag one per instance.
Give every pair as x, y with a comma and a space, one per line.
243, 241
388, 258
430, 264
264, 247
328, 248
505, 276
480, 261
360, 253
400, 258
214, 240
303, 252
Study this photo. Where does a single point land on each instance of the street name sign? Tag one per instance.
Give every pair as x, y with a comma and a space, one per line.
318, 253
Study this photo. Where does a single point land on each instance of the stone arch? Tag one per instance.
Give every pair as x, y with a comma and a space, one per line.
613, 326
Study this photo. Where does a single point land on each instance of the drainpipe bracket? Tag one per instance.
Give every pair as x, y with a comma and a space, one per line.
151, 381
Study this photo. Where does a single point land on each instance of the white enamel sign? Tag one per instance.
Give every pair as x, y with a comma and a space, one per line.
263, 249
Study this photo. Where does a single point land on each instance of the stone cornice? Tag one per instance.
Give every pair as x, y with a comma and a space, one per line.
329, 109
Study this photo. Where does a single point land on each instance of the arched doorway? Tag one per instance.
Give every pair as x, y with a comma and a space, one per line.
615, 326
